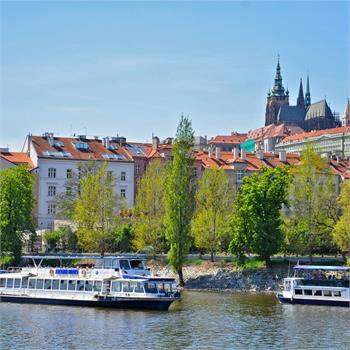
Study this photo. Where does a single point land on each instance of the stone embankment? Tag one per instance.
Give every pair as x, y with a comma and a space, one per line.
210, 277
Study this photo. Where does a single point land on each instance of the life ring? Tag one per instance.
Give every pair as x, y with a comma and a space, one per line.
52, 272
83, 272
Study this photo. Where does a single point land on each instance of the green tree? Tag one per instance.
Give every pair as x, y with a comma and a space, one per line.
341, 232
66, 200
313, 206
179, 197
61, 239
95, 211
256, 219
122, 237
149, 209
214, 200
16, 204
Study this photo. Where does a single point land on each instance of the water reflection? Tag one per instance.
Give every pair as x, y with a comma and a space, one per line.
201, 321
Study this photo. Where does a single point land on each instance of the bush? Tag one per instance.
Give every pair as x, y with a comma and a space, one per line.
6, 261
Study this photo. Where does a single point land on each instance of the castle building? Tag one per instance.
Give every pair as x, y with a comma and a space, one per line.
346, 115
307, 115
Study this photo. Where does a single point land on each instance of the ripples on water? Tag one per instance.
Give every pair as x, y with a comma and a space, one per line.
200, 321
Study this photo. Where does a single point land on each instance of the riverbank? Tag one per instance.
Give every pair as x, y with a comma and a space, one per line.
227, 277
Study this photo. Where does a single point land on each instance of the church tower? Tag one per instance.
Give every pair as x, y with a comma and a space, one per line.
307, 94
276, 98
346, 116
300, 100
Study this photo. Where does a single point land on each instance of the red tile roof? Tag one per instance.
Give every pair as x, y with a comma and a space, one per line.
229, 139
273, 130
94, 152
17, 158
305, 135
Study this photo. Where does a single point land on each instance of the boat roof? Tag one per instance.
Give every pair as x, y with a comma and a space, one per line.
325, 268
82, 256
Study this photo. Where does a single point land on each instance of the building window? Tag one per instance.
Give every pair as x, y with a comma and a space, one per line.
123, 193
69, 173
123, 176
52, 172
51, 192
240, 175
51, 209
137, 169
68, 191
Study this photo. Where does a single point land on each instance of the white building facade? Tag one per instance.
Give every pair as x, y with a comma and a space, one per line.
57, 158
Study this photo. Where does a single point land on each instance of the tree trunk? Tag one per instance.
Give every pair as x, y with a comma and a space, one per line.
343, 254
268, 261
181, 278
211, 256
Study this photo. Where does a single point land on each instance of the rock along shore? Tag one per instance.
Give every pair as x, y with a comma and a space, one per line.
208, 276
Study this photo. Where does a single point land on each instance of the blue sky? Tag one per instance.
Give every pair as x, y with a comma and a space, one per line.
132, 68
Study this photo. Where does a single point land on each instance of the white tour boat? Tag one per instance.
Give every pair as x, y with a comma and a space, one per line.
317, 285
112, 281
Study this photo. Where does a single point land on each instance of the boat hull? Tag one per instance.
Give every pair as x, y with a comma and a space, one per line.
118, 303
312, 301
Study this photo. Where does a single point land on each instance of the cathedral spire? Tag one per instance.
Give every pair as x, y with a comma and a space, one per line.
300, 100
346, 116
307, 93
278, 89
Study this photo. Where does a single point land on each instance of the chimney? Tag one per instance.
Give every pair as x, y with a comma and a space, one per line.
211, 151
235, 152
282, 155
155, 142
105, 142
260, 154
242, 154
218, 153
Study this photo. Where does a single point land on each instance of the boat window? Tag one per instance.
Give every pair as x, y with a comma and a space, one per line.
116, 286
307, 292
126, 287
17, 283
132, 286
63, 285
72, 284
55, 284
107, 263
39, 284
136, 264
2, 282
9, 283
124, 264
298, 291
327, 293
80, 285
24, 282
139, 288
164, 287
88, 286
32, 283
47, 284
97, 286
150, 287
318, 292
336, 293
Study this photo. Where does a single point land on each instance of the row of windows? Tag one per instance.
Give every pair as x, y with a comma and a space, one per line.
69, 172
325, 293
81, 285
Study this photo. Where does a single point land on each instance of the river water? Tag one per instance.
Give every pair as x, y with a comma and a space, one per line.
202, 320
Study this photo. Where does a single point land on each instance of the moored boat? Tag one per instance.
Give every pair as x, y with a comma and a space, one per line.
113, 281
317, 285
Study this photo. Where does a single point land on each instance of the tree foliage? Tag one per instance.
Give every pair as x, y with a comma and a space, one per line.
95, 211
179, 197
149, 225
341, 232
16, 204
63, 239
214, 198
256, 219
313, 206
66, 200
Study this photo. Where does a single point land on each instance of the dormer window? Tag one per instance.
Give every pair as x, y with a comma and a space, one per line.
81, 146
